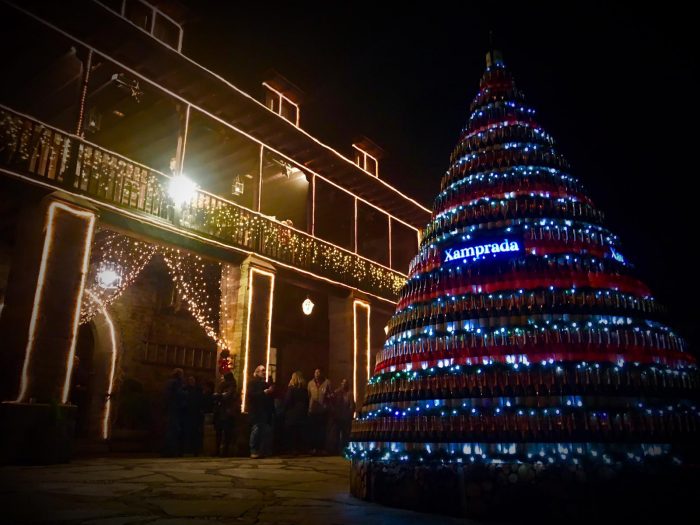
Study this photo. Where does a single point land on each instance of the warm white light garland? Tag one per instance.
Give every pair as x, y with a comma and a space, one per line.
113, 366
116, 251
131, 256
54, 208
188, 273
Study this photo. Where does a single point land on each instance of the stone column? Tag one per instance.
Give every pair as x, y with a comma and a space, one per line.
40, 318
247, 293
340, 339
350, 336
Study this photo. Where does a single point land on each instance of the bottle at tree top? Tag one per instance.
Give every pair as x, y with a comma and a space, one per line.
523, 351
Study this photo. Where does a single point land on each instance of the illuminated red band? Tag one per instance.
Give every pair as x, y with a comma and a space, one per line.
541, 352
531, 280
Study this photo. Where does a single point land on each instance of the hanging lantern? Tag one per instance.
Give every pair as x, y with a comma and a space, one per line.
307, 306
237, 187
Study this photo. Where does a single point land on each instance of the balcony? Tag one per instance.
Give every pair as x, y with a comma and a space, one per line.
62, 161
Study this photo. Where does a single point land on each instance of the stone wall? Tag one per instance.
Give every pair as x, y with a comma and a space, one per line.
149, 312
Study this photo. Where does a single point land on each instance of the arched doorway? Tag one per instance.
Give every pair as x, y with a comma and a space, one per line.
93, 379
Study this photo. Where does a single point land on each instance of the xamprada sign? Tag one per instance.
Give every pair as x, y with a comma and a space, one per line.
484, 248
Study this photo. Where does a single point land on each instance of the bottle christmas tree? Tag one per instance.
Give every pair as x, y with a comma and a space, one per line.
522, 342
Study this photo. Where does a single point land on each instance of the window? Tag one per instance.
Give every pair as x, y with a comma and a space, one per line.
148, 18
221, 160
139, 13
335, 215
285, 191
166, 31
372, 233
404, 246
366, 161
130, 117
281, 104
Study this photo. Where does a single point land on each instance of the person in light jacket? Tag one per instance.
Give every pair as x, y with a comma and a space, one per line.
320, 395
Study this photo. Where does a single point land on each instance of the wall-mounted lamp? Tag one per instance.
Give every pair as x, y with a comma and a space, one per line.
307, 306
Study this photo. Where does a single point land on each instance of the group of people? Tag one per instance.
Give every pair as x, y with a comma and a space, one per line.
186, 402
308, 417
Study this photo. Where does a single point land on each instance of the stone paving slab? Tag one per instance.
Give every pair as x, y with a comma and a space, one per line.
207, 491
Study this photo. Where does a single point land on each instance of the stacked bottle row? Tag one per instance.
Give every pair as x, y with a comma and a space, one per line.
525, 130
512, 208
529, 305
543, 402
496, 84
500, 157
538, 182
617, 426
533, 231
561, 379
645, 345
543, 240
501, 177
527, 273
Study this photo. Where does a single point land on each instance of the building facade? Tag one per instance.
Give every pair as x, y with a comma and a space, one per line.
154, 214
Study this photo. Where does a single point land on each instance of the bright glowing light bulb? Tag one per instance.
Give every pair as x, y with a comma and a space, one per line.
107, 279
108, 276
181, 189
307, 306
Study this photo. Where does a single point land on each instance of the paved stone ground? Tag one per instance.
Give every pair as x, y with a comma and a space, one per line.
207, 491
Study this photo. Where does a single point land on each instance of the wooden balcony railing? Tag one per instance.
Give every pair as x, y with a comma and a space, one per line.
39, 151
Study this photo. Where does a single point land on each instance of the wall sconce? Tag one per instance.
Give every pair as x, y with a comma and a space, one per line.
307, 306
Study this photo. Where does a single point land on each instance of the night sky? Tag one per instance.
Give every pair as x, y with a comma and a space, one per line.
612, 86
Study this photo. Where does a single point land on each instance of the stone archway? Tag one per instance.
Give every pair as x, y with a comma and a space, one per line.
105, 356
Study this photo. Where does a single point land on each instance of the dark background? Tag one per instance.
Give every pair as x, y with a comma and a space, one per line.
614, 86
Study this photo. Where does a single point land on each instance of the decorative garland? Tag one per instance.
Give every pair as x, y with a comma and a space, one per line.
193, 280
196, 281
126, 255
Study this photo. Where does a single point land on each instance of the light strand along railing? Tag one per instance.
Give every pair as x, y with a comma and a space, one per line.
34, 149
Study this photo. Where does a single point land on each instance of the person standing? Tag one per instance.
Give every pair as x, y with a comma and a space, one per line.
174, 414
260, 409
319, 389
225, 363
193, 417
344, 404
226, 407
295, 407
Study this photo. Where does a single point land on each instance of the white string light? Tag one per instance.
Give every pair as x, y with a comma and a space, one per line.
188, 272
121, 254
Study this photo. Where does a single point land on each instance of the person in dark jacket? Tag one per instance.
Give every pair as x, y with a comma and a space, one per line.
260, 409
295, 406
226, 407
173, 414
193, 417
